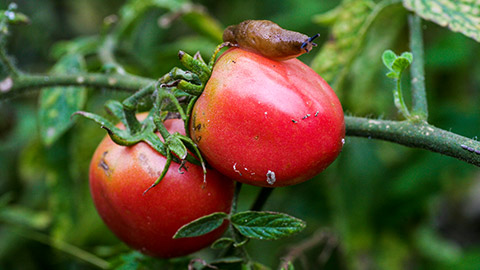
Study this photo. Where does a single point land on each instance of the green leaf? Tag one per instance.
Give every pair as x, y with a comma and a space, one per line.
408, 56
226, 260
201, 225
222, 243
400, 64
57, 104
459, 15
345, 41
388, 58
396, 64
266, 225
392, 75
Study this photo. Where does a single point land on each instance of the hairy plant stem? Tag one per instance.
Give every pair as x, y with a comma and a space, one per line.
418, 134
17, 86
419, 97
237, 237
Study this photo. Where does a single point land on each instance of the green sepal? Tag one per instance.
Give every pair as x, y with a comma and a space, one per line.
115, 108
164, 172
266, 225
201, 225
175, 144
196, 66
119, 136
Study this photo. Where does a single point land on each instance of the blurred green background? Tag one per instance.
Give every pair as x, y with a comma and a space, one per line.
379, 206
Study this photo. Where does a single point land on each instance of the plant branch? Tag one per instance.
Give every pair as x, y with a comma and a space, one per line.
419, 99
106, 54
261, 199
417, 135
321, 237
12, 87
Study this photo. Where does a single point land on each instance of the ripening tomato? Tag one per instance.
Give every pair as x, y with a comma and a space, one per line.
267, 123
118, 177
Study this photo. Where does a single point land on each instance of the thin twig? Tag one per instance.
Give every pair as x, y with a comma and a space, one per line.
320, 237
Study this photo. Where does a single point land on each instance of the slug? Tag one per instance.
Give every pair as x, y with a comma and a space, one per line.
268, 39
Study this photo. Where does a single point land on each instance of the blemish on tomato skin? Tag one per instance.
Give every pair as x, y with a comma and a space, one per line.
235, 169
271, 179
103, 164
145, 164
306, 116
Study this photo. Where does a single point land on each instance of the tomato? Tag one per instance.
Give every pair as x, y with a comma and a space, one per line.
265, 122
118, 177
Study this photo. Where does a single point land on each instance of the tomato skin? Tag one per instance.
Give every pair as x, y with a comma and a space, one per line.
118, 177
258, 116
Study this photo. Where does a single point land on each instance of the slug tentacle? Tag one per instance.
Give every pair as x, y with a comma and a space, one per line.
308, 45
268, 39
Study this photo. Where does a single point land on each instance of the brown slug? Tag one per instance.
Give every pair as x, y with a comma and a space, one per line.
268, 39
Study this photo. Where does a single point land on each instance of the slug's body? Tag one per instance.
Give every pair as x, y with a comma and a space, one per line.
268, 39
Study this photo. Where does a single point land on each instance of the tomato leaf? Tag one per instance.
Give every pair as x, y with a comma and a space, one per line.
266, 225
57, 104
222, 243
396, 64
201, 225
335, 58
401, 63
388, 58
459, 15
226, 260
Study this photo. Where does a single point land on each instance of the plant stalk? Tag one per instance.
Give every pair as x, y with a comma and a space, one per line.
419, 96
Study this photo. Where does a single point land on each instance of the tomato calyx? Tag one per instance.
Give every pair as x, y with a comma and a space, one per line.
174, 92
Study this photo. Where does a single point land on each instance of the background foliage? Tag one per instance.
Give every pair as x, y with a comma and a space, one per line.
379, 206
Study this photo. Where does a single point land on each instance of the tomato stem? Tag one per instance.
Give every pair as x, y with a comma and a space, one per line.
261, 199
419, 99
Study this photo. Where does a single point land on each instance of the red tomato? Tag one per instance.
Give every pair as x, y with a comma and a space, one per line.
118, 177
267, 123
